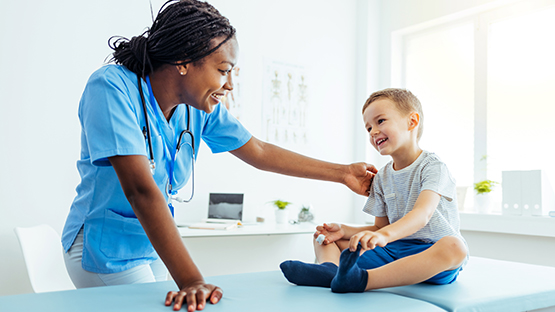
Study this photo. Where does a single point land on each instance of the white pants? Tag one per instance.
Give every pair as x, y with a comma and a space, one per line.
154, 272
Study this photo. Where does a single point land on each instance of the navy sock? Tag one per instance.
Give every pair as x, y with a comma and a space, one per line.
350, 277
308, 274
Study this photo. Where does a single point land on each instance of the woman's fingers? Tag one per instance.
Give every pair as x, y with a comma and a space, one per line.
216, 295
194, 297
192, 301
176, 298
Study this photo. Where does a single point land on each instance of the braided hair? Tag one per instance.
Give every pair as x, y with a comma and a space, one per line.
181, 34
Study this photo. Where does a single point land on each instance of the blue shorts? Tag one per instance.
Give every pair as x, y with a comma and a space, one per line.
379, 256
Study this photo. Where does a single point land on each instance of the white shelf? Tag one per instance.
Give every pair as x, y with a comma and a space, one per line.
498, 223
254, 229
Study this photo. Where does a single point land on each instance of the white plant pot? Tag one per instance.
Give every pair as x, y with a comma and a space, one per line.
482, 202
281, 216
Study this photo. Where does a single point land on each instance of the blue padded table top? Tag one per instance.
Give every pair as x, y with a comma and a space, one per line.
250, 292
490, 285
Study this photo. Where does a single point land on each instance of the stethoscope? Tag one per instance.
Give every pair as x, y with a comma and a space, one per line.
146, 132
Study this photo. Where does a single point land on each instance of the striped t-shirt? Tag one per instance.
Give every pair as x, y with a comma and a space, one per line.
394, 193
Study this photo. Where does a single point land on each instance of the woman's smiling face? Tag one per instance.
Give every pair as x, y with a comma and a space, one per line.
204, 83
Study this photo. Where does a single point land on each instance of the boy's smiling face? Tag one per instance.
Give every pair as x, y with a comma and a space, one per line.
389, 130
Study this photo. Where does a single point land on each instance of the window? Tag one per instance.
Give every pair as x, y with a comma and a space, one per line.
439, 71
521, 98
485, 81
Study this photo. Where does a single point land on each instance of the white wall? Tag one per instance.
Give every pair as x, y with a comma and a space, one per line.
321, 37
48, 50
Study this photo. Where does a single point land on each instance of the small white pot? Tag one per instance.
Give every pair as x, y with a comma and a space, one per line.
281, 216
482, 202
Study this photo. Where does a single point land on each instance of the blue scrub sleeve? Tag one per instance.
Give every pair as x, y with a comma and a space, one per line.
222, 132
109, 119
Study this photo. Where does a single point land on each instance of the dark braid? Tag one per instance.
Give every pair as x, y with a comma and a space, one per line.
182, 33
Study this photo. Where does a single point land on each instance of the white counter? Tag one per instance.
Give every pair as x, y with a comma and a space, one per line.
251, 248
252, 229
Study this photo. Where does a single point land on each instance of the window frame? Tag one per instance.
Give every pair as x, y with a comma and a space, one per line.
481, 16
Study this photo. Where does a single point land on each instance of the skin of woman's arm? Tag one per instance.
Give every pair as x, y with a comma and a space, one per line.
151, 209
269, 157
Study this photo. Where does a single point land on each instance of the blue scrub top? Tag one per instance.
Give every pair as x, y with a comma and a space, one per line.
112, 121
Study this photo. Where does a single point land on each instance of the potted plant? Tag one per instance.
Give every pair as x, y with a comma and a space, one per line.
281, 211
483, 196
305, 215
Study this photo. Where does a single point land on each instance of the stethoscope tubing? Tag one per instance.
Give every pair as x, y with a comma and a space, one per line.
147, 127
147, 133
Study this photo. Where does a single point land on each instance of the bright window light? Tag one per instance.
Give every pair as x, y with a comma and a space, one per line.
485, 81
521, 101
439, 70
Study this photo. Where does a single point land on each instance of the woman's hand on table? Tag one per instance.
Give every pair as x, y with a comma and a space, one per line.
194, 296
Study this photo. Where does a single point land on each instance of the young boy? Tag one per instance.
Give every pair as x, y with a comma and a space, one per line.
415, 237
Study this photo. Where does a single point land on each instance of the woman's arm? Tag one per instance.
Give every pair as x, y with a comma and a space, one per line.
269, 157
151, 209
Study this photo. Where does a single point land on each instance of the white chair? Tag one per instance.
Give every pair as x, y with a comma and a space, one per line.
43, 254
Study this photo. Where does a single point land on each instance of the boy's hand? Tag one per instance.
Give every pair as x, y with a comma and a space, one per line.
359, 177
332, 231
368, 239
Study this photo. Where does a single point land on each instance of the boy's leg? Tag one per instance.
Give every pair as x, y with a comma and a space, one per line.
311, 274
446, 254
330, 252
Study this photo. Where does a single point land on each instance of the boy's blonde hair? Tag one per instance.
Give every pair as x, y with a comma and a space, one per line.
404, 100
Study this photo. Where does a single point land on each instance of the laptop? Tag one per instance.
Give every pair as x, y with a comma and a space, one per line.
225, 208
225, 211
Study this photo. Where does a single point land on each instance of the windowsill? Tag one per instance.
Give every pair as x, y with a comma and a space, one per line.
498, 223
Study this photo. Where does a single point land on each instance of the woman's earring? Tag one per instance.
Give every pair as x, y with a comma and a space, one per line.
182, 69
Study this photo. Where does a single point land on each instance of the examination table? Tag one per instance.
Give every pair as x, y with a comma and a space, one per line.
483, 285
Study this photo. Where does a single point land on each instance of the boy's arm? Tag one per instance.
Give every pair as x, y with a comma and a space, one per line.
335, 231
379, 223
413, 221
416, 219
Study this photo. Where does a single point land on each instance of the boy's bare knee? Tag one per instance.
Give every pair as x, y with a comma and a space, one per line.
342, 244
452, 250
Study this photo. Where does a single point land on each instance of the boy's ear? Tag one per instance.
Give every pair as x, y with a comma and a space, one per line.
414, 120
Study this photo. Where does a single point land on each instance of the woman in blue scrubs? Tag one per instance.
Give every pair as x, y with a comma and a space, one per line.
120, 227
